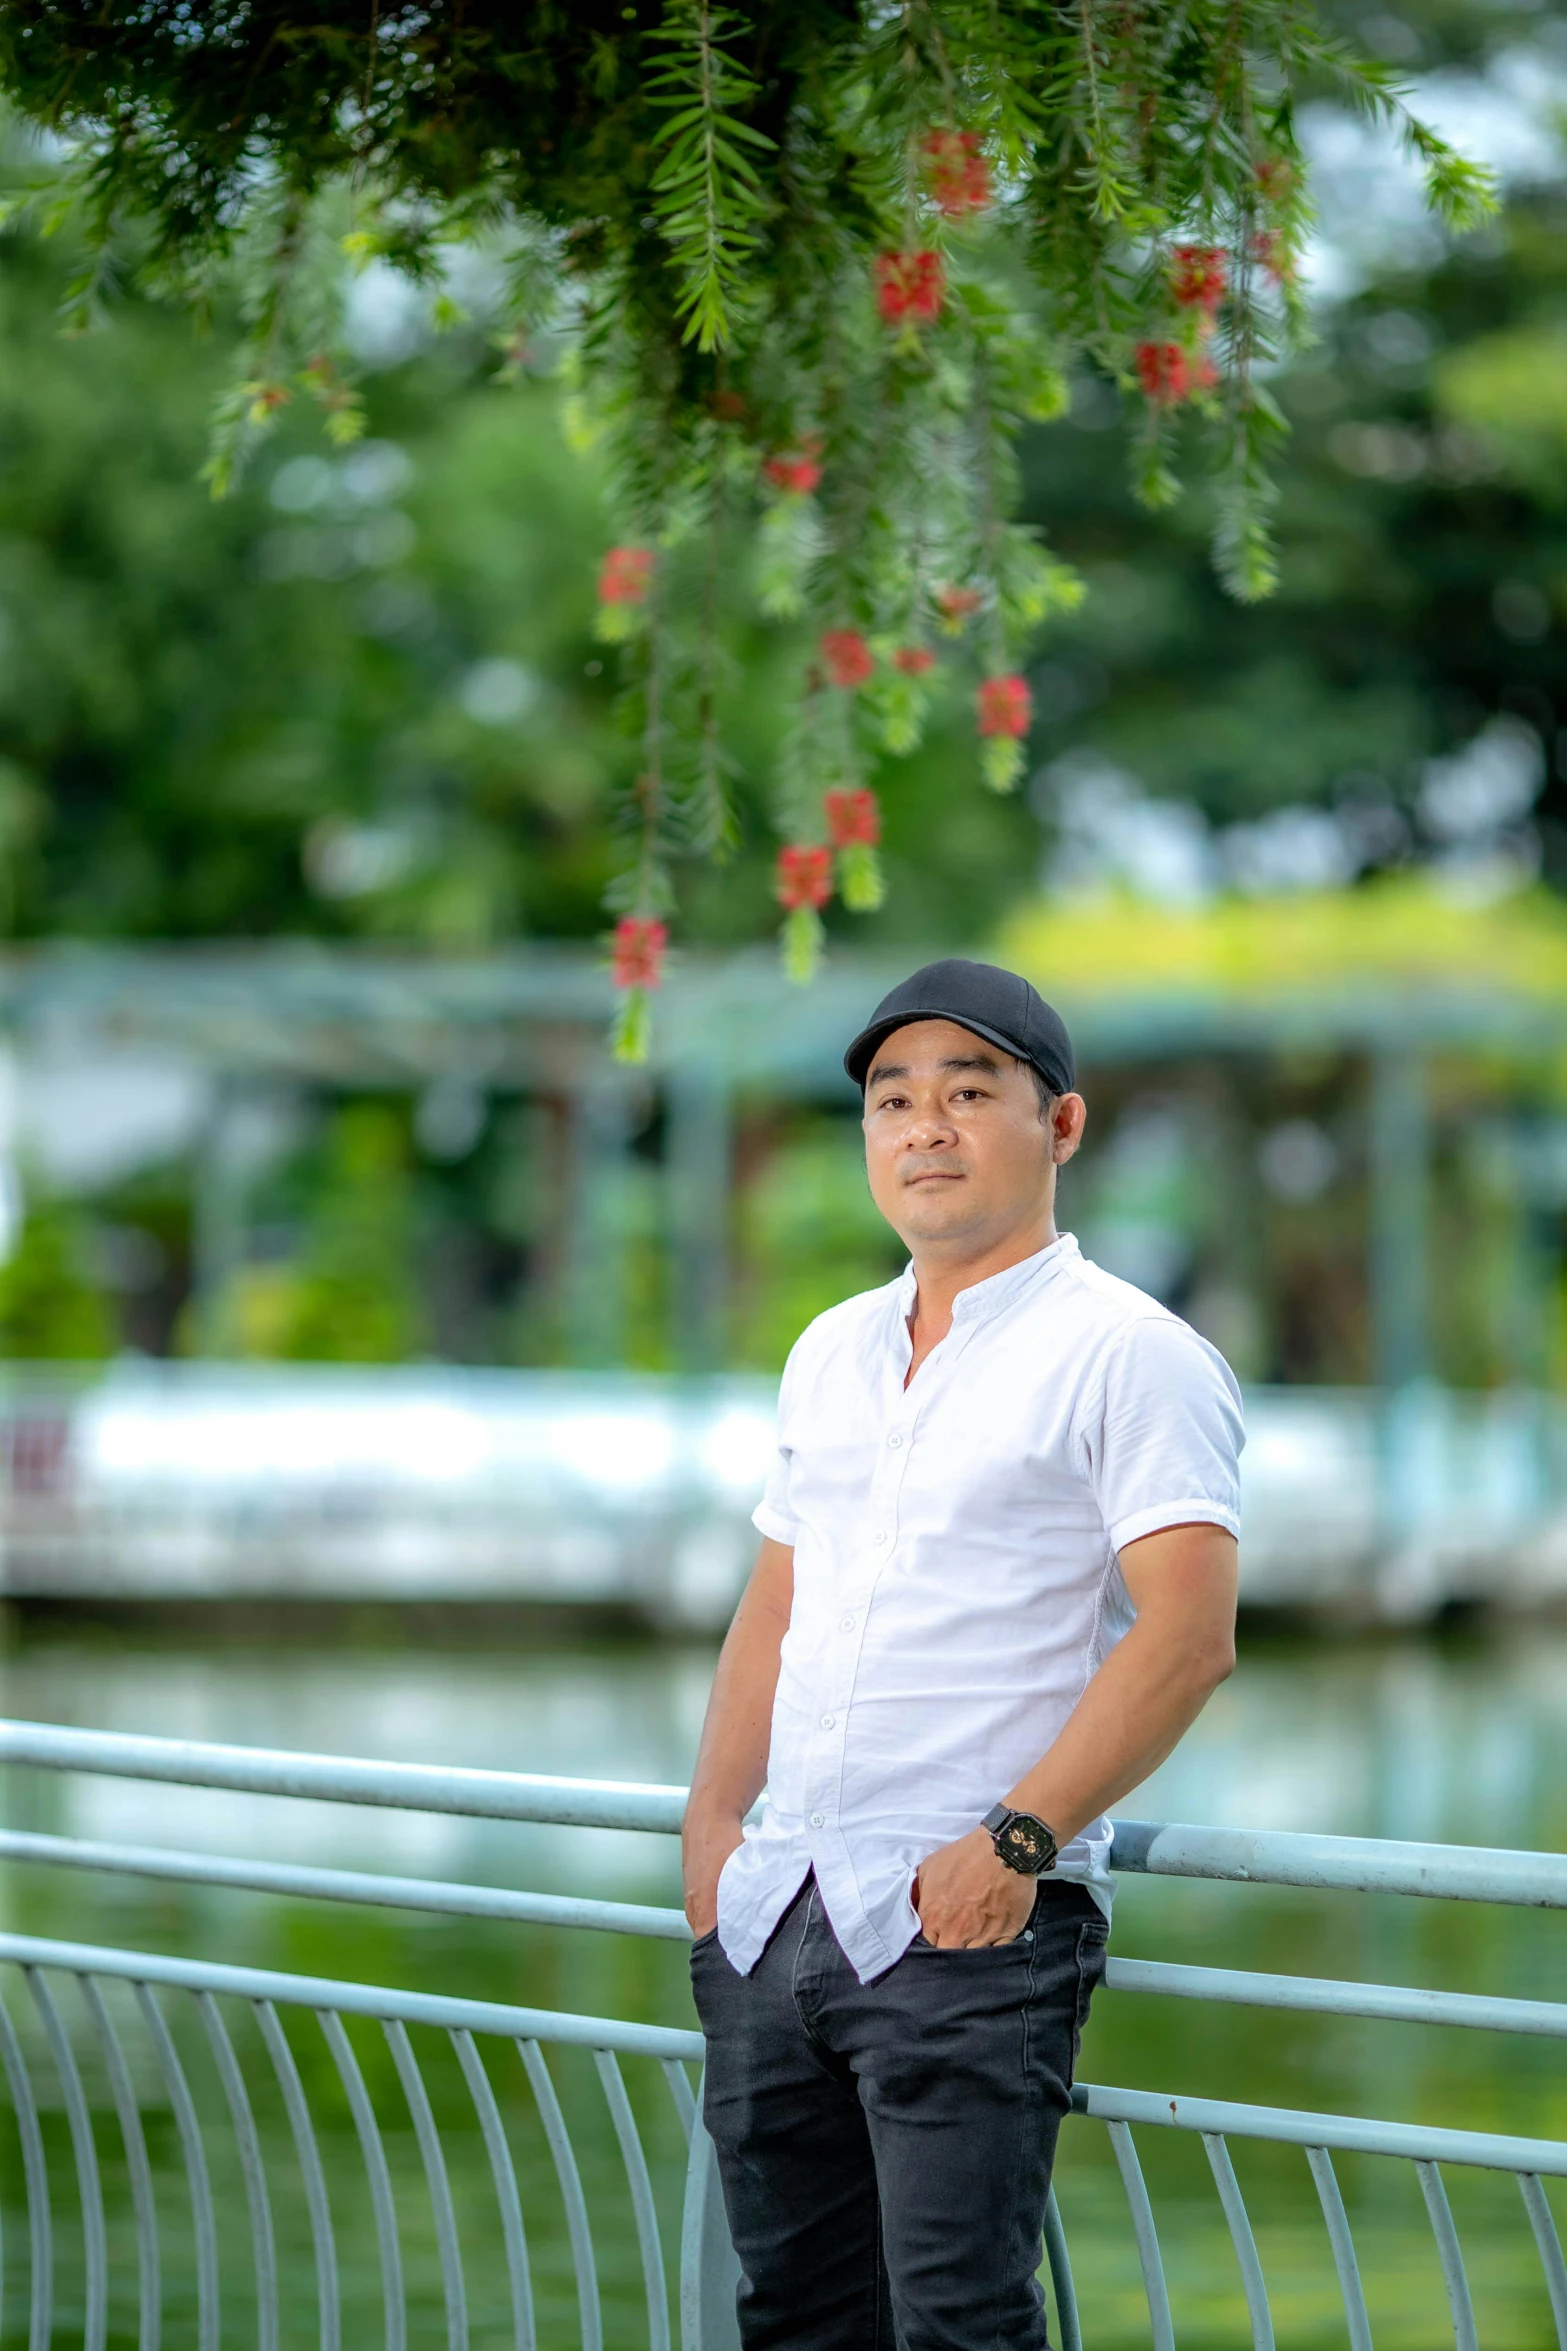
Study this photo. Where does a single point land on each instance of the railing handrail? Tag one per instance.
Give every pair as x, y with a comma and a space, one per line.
1278, 1857
1350, 1865
346, 1779
1353, 2134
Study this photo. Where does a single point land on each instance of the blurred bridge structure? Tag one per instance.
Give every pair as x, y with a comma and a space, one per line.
1390, 1499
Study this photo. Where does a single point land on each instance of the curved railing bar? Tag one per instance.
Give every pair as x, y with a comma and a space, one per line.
1398, 2003
1277, 1857
1239, 2220
382, 2202
1454, 2276
344, 1885
1550, 2246
89, 2181
304, 1991
1146, 2237
35, 2171
317, 2203
683, 2095
1056, 2254
149, 2272
251, 2167
503, 2172
577, 2226
1357, 2320
644, 2210
1419, 2142
198, 2179
429, 2138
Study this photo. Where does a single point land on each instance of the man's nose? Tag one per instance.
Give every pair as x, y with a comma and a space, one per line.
928, 1128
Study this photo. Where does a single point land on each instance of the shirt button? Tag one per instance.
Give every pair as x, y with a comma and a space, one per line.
846, 1625
828, 1720
895, 1441
818, 1820
880, 1536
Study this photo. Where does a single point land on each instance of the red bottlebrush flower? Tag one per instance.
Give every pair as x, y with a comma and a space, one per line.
726, 407
1165, 372
910, 286
853, 818
625, 575
846, 657
1271, 253
1276, 177
803, 877
637, 951
914, 660
1199, 276
958, 172
800, 474
956, 605
1005, 706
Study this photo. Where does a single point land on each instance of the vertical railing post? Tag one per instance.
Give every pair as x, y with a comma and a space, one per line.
709, 2270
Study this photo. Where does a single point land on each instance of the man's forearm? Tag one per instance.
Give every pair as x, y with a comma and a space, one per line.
1133, 1712
731, 1763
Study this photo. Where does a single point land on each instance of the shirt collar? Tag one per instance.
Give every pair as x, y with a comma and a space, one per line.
983, 1299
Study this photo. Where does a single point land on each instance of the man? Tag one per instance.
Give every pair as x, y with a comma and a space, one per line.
996, 1584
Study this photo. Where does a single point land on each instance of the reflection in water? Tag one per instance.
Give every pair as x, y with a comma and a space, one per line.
1461, 1739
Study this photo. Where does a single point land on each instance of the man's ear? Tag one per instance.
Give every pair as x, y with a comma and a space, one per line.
1068, 1117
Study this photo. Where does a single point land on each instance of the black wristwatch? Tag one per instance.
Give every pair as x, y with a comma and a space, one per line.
1022, 1842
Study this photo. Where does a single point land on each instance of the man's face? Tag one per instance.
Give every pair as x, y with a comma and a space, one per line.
956, 1145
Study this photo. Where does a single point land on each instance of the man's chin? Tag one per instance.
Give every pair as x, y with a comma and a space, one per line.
929, 1211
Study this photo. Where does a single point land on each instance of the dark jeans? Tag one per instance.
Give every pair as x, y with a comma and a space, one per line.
885, 2148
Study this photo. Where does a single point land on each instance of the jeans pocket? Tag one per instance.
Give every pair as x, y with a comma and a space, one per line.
1021, 1941
1092, 1938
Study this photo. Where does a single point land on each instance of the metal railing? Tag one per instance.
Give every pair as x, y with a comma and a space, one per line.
318, 2088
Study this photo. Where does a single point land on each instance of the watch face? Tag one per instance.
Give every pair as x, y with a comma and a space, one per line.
1026, 1844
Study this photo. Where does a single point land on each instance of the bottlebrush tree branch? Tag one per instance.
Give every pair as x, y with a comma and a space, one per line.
811, 266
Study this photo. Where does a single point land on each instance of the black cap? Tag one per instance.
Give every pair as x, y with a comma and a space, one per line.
999, 1006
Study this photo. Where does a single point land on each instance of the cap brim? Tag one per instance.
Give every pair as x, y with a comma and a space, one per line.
857, 1061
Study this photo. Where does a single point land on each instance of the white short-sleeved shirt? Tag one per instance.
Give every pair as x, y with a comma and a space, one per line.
955, 1576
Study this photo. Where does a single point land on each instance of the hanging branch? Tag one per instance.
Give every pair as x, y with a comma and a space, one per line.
643, 892
707, 193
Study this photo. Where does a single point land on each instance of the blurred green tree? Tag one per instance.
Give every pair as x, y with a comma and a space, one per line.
52, 1308
360, 697
349, 1291
1423, 587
